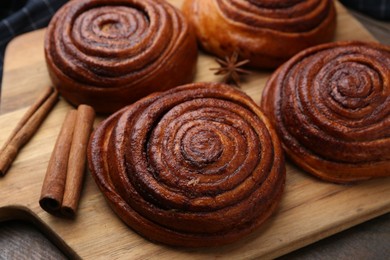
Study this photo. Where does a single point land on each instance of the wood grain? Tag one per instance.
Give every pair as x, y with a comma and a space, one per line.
310, 209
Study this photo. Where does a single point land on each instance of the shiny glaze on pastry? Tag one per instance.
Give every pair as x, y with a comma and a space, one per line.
108, 54
266, 32
196, 166
331, 107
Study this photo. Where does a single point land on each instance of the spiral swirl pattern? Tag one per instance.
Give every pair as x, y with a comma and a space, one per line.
331, 107
111, 53
265, 32
196, 166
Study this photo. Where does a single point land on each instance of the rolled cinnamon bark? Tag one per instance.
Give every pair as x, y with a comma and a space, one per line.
63, 182
26, 127
77, 160
196, 166
54, 183
331, 107
108, 54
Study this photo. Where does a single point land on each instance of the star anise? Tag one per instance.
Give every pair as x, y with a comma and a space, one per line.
231, 68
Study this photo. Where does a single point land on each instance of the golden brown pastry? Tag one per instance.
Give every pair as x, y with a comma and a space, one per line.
108, 54
196, 166
331, 107
266, 32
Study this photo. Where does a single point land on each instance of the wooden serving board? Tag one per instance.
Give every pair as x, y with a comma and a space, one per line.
310, 209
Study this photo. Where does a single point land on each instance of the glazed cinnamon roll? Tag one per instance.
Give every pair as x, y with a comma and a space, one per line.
196, 166
108, 54
266, 32
331, 107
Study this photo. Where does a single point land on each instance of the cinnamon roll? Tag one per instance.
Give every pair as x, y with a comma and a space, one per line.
195, 166
108, 54
331, 107
266, 32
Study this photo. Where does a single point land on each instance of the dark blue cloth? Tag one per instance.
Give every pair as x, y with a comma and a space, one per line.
20, 16
378, 9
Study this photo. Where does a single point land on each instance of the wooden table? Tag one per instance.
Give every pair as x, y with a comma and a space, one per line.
369, 240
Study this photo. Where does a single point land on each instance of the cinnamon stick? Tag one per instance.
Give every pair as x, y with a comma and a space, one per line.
61, 188
77, 160
54, 184
27, 127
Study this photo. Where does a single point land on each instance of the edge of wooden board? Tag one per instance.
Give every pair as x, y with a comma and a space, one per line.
248, 248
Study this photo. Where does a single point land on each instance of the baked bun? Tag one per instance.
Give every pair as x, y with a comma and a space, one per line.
266, 32
196, 166
331, 107
108, 54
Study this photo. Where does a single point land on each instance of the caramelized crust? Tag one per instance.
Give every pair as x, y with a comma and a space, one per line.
108, 54
265, 32
196, 166
331, 107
